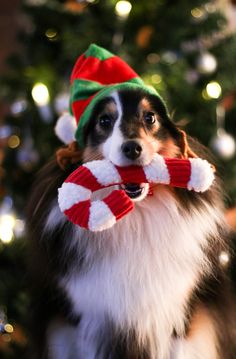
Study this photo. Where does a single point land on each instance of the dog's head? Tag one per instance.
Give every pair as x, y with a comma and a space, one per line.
128, 127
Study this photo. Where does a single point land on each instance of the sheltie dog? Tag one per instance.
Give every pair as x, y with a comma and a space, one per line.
152, 286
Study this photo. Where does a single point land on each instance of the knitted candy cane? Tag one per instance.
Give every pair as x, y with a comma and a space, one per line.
75, 194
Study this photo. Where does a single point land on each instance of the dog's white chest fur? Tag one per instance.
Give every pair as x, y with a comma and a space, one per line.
141, 272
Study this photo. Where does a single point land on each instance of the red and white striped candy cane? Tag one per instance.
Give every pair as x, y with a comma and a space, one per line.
75, 194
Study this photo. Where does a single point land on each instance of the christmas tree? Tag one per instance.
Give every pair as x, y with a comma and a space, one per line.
186, 50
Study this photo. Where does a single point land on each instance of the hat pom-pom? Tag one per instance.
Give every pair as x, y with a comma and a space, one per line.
65, 128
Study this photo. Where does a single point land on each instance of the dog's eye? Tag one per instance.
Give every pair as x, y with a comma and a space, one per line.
149, 118
105, 121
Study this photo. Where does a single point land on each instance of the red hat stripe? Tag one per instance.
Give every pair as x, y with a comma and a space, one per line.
79, 106
76, 68
93, 69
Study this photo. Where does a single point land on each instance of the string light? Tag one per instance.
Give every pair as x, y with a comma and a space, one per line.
51, 34
13, 141
7, 222
169, 57
206, 63
123, 8
213, 89
40, 94
210, 8
18, 107
5, 131
222, 143
197, 13
8, 328
156, 79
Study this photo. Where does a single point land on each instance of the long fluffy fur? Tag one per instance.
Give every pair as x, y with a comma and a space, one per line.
151, 287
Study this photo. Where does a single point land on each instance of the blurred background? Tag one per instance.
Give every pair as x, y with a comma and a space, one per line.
185, 49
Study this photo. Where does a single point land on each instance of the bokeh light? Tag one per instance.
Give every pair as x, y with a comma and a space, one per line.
7, 222
213, 89
123, 8
40, 94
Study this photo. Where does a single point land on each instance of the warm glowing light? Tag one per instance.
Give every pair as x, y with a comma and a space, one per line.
40, 94
224, 144
197, 13
213, 89
169, 57
8, 328
51, 33
13, 141
206, 63
210, 8
6, 234
7, 220
123, 8
156, 79
7, 223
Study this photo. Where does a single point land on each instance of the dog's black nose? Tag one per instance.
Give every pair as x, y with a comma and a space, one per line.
131, 149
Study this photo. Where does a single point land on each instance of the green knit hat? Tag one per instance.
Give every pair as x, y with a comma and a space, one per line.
97, 73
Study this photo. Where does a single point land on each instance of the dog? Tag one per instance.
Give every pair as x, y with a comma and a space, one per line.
150, 287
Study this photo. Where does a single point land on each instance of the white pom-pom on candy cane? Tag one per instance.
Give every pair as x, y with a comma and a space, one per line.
202, 175
75, 194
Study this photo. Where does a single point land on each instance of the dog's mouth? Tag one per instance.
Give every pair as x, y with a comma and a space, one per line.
134, 190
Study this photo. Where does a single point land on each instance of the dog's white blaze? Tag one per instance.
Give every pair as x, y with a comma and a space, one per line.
141, 271
112, 146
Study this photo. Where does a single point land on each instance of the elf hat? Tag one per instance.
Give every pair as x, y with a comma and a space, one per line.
96, 74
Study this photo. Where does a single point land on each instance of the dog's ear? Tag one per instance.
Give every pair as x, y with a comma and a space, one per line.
186, 150
66, 156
